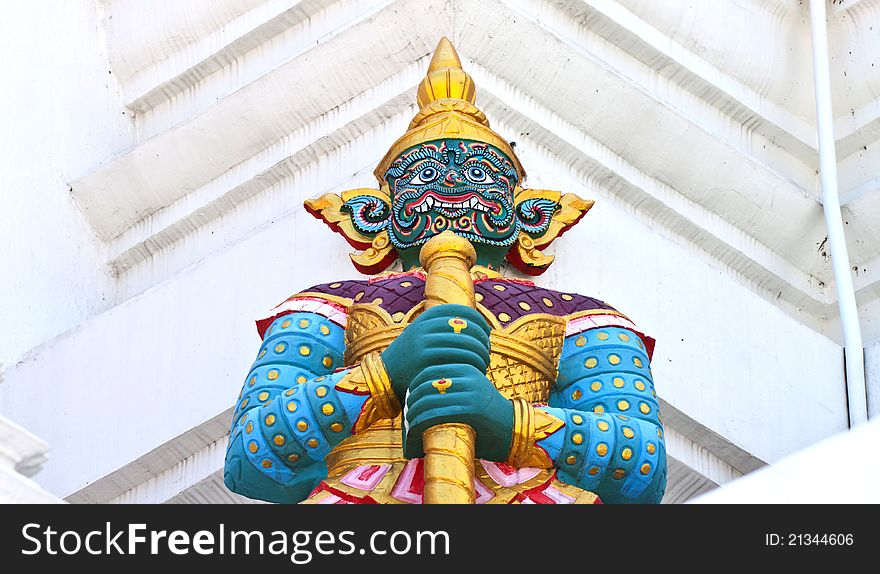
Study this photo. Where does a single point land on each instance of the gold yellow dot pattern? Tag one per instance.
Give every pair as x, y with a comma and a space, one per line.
299, 351
608, 371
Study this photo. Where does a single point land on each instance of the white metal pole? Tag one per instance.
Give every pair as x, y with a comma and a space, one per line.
846, 298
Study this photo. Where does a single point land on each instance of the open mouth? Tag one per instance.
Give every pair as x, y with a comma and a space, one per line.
452, 202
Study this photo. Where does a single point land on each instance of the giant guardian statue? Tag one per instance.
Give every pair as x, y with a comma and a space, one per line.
448, 382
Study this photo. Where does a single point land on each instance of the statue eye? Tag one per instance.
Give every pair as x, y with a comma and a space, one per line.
426, 175
476, 174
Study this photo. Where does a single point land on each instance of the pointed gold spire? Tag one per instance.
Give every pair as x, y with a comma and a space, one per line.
446, 78
444, 56
448, 114
447, 110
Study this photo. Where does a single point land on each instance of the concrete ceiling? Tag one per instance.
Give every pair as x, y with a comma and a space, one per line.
697, 116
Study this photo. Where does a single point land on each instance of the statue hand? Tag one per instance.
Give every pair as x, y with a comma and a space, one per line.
458, 393
432, 340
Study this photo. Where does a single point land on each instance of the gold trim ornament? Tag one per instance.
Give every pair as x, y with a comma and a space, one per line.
370, 377
447, 110
458, 325
527, 255
377, 253
446, 99
442, 385
523, 432
529, 426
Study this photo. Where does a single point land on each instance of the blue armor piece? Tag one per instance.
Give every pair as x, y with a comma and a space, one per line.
613, 439
289, 414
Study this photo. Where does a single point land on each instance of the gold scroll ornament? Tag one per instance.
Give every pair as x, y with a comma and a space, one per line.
449, 448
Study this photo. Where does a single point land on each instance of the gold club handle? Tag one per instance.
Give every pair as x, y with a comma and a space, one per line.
449, 448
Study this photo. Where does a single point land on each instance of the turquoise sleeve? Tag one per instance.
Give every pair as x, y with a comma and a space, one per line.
289, 413
612, 442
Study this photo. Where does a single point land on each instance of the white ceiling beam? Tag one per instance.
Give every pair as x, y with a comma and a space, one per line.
337, 129
857, 129
854, 194
151, 196
620, 52
305, 20
659, 138
165, 456
631, 185
841, 6
165, 168
652, 47
210, 201
860, 127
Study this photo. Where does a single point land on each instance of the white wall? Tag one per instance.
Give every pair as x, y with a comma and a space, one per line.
60, 116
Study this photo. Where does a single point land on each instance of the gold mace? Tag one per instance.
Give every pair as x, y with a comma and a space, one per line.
449, 448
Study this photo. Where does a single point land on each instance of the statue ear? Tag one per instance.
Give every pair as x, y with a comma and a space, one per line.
361, 216
543, 216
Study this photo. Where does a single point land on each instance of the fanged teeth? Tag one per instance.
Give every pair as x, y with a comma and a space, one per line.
430, 203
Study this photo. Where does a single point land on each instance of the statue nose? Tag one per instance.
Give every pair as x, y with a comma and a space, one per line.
451, 178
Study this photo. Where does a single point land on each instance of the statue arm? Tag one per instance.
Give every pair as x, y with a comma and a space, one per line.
610, 440
295, 406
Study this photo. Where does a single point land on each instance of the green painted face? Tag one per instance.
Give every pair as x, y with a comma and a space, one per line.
463, 186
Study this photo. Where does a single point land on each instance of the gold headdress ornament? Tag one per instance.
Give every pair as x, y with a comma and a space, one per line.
446, 100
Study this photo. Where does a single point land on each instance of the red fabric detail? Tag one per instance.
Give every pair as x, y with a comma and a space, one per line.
335, 227
515, 259
363, 393
505, 468
417, 485
343, 495
368, 472
535, 491
506, 280
540, 448
377, 267
263, 324
361, 413
649, 344
540, 498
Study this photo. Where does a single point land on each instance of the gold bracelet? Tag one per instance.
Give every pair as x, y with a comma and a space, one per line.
377, 380
523, 433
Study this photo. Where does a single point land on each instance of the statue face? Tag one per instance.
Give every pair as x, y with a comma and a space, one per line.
461, 185
452, 184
